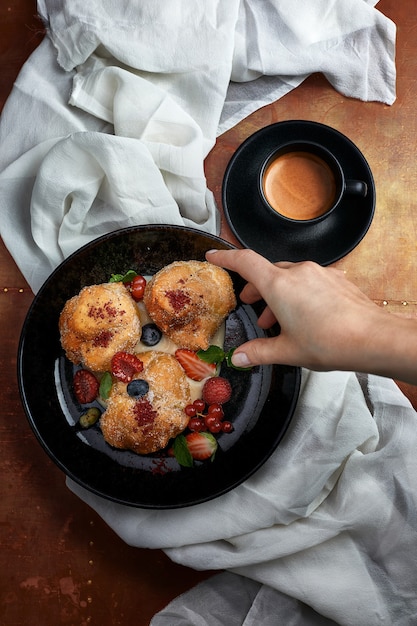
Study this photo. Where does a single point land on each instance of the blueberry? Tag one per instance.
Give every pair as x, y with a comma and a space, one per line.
137, 388
151, 335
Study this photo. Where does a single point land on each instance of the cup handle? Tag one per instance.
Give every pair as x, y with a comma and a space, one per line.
356, 187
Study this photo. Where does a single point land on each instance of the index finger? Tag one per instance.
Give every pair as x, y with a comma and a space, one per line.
249, 264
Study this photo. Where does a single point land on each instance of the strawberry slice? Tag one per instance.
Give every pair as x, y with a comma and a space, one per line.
86, 386
125, 365
194, 367
201, 445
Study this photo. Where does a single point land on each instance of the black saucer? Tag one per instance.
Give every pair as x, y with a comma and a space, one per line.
324, 242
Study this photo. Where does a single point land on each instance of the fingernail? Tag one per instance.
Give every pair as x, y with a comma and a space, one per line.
240, 359
211, 251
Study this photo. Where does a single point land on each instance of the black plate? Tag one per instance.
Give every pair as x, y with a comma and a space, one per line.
324, 242
261, 409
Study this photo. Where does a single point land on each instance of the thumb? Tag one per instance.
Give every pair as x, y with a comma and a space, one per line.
263, 352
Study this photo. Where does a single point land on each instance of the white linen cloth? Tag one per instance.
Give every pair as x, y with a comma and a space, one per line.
111, 118
327, 527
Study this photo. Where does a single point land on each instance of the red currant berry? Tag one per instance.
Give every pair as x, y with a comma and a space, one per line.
227, 427
190, 410
210, 420
200, 405
196, 424
215, 426
217, 410
137, 287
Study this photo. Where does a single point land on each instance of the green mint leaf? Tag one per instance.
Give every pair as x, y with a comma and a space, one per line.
116, 278
181, 451
213, 354
105, 385
123, 278
130, 275
228, 357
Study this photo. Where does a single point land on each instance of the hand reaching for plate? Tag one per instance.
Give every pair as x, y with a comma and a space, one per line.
326, 322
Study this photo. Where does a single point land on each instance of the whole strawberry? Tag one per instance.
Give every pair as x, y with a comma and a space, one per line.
217, 390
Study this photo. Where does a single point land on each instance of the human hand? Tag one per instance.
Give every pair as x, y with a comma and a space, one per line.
326, 322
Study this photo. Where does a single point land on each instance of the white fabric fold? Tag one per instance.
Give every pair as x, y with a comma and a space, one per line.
237, 601
343, 40
173, 138
169, 77
350, 42
330, 520
70, 205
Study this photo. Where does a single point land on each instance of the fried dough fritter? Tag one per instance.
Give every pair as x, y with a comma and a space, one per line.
146, 424
98, 322
189, 300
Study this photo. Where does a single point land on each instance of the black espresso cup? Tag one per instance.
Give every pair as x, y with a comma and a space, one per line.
302, 181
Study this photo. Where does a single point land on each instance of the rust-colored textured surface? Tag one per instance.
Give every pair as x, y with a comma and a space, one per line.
59, 562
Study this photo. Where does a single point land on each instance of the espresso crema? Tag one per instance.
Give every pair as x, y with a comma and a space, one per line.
299, 185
